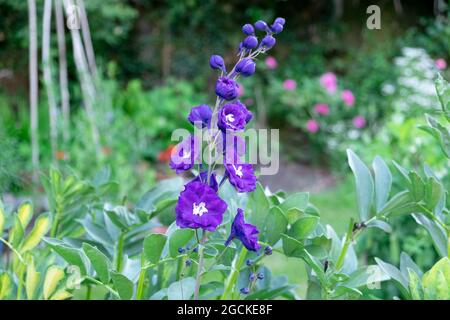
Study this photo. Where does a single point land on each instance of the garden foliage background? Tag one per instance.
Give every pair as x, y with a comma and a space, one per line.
330, 84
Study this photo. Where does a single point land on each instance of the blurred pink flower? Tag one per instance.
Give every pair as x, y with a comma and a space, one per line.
359, 122
289, 84
240, 90
312, 126
322, 108
329, 81
271, 62
249, 102
440, 63
348, 97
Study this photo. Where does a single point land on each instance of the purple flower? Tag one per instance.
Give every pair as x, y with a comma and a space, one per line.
245, 232
185, 154
246, 67
234, 116
200, 115
276, 27
261, 25
359, 122
216, 62
203, 177
268, 42
250, 42
241, 176
248, 29
199, 206
281, 21
226, 88
232, 146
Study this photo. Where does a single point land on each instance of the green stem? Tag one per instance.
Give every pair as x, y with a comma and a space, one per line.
119, 252
141, 281
232, 278
348, 239
114, 292
10, 246
88, 292
200, 266
55, 223
217, 259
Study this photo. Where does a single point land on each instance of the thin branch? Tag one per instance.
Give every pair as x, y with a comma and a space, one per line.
48, 81
33, 74
87, 39
65, 98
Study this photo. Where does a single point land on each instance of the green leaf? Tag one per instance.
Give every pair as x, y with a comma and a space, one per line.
99, 262
399, 279
380, 224
6, 285
53, 276
297, 201
181, 290
436, 282
16, 234
179, 238
32, 281
41, 226
303, 227
123, 285
415, 287
25, 213
364, 184
383, 182
400, 199
276, 224
292, 247
436, 232
258, 207
433, 193
417, 186
365, 276
164, 190
443, 92
72, 256
153, 247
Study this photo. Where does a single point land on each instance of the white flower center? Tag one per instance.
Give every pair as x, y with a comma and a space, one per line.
229, 117
199, 210
186, 154
238, 171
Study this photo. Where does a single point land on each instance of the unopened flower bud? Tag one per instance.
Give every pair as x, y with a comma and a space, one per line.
226, 88
276, 28
268, 42
268, 250
260, 275
261, 25
216, 62
280, 21
245, 290
248, 29
250, 42
246, 67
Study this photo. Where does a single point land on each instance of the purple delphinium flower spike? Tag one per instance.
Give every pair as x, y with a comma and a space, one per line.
241, 176
199, 206
185, 154
226, 88
200, 116
203, 177
245, 232
233, 116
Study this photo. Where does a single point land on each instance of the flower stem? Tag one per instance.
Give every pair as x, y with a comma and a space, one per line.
141, 281
200, 266
348, 239
232, 278
119, 252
